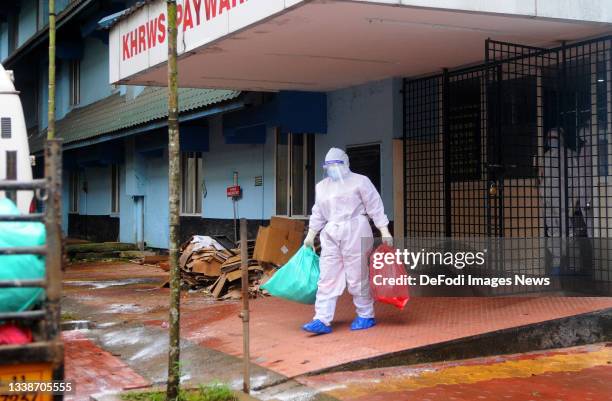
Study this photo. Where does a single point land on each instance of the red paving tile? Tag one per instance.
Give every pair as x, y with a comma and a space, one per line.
93, 370
278, 343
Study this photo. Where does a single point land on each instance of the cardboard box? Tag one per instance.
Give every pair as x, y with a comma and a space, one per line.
277, 245
287, 224
211, 268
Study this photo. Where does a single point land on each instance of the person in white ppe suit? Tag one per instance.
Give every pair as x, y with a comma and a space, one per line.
343, 202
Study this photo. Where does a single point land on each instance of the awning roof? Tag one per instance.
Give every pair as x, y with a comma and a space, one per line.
324, 45
119, 112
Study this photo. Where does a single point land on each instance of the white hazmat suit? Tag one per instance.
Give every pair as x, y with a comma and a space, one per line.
343, 202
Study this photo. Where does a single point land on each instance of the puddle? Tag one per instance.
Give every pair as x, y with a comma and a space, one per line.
289, 395
126, 308
152, 349
125, 337
111, 283
256, 381
77, 325
106, 325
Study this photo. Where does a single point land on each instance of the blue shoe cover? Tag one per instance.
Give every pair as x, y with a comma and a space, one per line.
362, 323
317, 327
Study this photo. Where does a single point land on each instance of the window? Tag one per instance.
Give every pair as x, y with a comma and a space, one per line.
13, 33
11, 172
75, 82
5, 127
115, 188
365, 160
294, 174
43, 13
191, 183
73, 187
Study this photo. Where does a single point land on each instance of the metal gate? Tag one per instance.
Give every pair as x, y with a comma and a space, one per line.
518, 147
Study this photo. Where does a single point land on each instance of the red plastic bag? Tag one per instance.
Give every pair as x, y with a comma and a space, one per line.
396, 293
11, 334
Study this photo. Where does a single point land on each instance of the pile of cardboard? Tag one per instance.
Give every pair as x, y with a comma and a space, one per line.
214, 265
217, 269
278, 242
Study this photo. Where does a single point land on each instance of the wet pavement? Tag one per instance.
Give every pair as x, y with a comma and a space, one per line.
275, 328
93, 370
572, 374
128, 310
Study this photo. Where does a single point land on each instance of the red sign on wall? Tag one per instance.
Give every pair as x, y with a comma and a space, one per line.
233, 191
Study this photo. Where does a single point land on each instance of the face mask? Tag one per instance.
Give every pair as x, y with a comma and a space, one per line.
334, 172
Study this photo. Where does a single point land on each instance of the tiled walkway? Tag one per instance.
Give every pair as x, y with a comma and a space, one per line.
278, 343
93, 370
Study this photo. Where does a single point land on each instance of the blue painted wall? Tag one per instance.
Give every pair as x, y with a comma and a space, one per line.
94, 78
94, 72
361, 115
27, 23
33, 14
4, 40
127, 230
61, 4
365, 114
249, 161
62, 89
97, 200
65, 199
43, 90
156, 202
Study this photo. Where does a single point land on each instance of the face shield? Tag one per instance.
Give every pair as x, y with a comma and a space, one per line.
335, 169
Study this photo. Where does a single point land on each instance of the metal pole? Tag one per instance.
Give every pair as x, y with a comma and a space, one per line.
235, 177
244, 257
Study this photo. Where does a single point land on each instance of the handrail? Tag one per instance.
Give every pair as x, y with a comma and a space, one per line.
23, 283
22, 217
7, 185
31, 315
24, 250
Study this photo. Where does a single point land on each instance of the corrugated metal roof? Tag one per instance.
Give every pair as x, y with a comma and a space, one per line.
114, 19
118, 112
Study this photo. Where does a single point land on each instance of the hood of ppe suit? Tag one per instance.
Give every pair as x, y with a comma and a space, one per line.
336, 164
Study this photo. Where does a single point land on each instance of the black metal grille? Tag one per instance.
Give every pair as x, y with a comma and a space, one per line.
466, 153
425, 176
5, 127
584, 113
518, 147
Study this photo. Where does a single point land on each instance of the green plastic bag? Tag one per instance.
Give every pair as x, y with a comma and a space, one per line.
297, 280
20, 267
